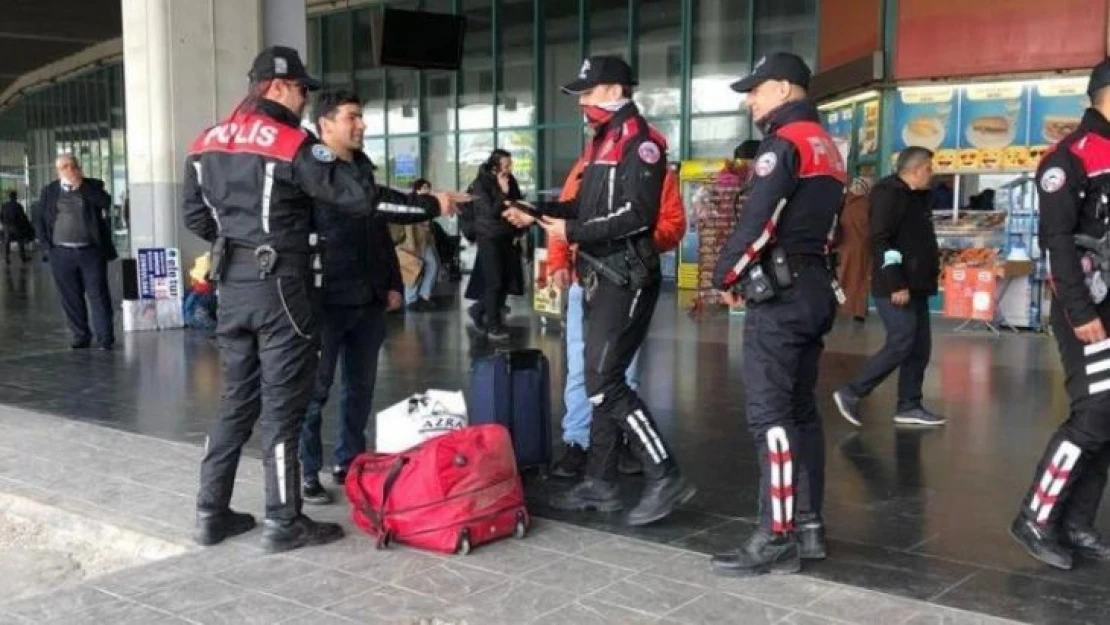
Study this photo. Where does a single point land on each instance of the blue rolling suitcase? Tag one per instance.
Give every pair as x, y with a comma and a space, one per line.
513, 388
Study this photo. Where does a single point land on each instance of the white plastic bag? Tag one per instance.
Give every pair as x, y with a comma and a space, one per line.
418, 418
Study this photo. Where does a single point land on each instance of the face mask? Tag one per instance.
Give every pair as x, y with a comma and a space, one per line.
598, 114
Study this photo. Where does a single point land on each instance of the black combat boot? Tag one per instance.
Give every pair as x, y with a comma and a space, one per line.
811, 538
1086, 542
215, 527
302, 531
1042, 542
589, 494
764, 552
664, 490
571, 464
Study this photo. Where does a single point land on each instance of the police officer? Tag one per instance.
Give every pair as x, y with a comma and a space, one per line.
250, 182
611, 221
1057, 516
361, 281
777, 260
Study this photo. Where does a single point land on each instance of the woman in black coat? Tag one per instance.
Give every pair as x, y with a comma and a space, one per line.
497, 269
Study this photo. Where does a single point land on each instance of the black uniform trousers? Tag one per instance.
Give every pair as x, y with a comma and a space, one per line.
616, 321
354, 334
1072, 474
81, 272
268, 356
783, 341
908, 347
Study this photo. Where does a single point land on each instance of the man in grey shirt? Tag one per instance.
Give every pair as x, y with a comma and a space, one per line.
74, 232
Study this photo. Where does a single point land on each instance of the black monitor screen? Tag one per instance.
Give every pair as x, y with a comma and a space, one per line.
419, 39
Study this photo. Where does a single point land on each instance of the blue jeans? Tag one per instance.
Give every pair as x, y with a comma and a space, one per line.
356, 334
576, 421
908, 346
423, 287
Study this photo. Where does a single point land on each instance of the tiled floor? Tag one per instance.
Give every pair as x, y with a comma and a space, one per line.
917, 514
560, 574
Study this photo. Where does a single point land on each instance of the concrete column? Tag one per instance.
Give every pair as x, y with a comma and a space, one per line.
285, 23
185, 66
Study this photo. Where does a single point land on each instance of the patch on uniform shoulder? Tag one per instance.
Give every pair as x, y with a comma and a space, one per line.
1053, 179
322, 153
649, 152
765, 164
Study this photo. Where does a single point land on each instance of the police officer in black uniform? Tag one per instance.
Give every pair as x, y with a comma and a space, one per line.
612, 220
250, 184
1057, 516
777, 260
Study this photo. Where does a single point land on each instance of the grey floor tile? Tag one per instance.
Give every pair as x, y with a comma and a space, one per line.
324, 588
862, 606
451, 581
191, 595
803, 618
136, 581
794, 591
562, 537
254, 608
217, 559
58, 604
576, 576
318, 617
268, 573
121, 612
359, 557
8, 619
390, 604
719, 607
510, 557
933, 615
590, 611
510, 603
649, 593
630, 554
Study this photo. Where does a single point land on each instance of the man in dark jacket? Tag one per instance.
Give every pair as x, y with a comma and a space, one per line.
72, 223
17, 228
904, 275
498, 264
362, 280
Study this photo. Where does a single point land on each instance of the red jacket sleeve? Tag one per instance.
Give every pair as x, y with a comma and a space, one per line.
558, 250
670, 227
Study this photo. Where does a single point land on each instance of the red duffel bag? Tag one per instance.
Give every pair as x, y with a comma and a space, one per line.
449, 494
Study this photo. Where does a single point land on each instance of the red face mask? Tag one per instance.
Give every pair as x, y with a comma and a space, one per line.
596, 115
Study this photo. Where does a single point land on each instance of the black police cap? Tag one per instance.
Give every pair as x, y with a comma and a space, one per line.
778, 66
601, 70
1100, 77
281, 62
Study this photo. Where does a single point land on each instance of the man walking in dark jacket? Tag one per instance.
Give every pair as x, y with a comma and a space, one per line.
361, 281
17, 228
906, 264
72, 224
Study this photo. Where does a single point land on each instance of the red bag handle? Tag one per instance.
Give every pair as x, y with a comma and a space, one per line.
377, 517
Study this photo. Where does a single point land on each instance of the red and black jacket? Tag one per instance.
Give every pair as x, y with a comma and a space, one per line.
1070, 179
793, 198
621, 187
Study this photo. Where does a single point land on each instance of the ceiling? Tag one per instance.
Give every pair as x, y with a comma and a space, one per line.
34, 33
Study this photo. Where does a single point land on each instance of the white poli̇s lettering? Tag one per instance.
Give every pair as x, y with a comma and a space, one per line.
258, 133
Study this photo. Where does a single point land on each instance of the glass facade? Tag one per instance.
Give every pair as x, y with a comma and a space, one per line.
442, 125
83, 115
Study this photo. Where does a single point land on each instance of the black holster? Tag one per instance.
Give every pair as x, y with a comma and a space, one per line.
217, 266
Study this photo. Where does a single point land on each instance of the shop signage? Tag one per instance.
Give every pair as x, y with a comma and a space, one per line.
159, 273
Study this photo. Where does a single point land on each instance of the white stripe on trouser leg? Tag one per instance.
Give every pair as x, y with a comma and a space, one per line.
279, 464
1098, 387
598, 399
207, 441
654, 435
644, 438
267, 196
1054, 478
1094, 348
782, 480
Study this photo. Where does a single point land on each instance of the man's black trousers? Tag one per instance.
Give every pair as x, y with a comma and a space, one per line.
353, 334
81, 272
783, 341
494, 258
1071, 476
268, 354
909, 343
616, 321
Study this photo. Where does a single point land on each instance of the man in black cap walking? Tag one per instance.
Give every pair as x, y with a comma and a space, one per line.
251, 183
611, 221
777, 262
1057, 516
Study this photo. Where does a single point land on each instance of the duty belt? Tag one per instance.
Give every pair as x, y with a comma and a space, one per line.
264, 262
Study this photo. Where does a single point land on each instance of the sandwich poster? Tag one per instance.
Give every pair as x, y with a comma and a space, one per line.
926, 117
994, 133
1057, 107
